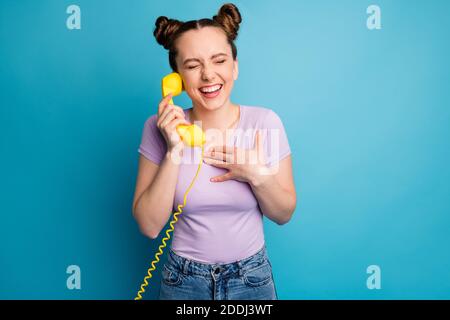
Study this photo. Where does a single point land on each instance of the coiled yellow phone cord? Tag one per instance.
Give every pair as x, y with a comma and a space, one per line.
172, 223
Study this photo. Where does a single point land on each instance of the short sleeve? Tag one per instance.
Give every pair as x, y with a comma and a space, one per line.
275, 141
153, 145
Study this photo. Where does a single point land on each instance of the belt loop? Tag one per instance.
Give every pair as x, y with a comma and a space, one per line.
186, 266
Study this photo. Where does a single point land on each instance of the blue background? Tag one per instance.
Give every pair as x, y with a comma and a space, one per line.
366, 112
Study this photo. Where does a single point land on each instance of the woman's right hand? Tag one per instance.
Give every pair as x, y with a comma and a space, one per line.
169, 117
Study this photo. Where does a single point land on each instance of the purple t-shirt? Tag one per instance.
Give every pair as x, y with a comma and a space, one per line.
221, 222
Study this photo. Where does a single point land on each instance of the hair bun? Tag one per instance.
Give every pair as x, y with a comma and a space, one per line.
230, 18
165, 29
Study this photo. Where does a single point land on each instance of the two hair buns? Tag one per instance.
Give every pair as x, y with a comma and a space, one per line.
228, 17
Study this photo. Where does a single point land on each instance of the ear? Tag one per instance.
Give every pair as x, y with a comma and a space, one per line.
235, 69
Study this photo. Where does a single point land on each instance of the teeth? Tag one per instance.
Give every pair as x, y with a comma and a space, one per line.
211, 89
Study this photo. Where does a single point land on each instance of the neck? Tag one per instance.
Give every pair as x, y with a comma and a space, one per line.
220, 118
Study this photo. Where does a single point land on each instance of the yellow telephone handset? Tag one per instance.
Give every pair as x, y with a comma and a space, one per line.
192, 135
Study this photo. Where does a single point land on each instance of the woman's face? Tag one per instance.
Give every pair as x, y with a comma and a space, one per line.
204, 61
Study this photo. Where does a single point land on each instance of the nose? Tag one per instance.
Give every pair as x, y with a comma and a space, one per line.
208, 74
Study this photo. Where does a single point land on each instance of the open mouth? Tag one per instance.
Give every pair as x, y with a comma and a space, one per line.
211, 91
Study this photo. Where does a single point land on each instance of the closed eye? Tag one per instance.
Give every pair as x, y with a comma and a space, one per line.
193, 67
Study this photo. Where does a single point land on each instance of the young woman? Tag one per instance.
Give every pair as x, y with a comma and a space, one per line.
218, 249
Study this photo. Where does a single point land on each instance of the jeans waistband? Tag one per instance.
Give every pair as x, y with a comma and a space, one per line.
189, 266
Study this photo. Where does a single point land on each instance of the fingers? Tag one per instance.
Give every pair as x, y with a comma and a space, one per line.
223, 149
171, 126
225, 153
171, 115
227, 157
170, 110
259, 144
166, 107
165, 101
225, 177
216, 163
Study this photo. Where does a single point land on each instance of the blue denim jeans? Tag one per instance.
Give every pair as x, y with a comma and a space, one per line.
247, 279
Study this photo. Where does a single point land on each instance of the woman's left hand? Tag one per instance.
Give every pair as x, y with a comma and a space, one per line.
244, 165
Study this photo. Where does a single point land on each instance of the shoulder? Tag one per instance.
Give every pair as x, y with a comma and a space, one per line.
151, 127
152, 144
151, 121
151, 130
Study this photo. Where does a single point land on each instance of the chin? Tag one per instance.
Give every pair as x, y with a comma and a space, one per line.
212, 105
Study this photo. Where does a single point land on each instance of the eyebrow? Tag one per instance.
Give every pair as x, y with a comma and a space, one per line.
212, 57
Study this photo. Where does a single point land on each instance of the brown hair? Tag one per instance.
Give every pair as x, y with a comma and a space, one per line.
168, 30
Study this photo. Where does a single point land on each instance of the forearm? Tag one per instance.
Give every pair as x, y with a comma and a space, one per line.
154, 207
275, 202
